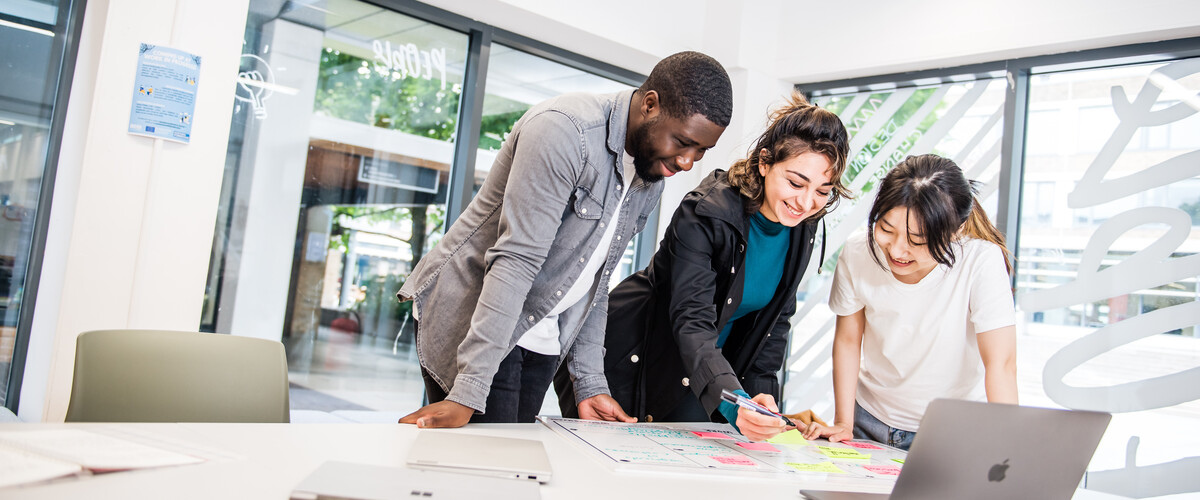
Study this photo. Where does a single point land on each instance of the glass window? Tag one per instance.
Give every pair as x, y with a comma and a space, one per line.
961, 121
31, 52
336, 182
1108, 266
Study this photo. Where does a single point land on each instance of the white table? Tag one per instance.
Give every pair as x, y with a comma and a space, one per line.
269, 459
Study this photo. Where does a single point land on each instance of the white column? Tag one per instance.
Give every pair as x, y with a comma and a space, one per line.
262, 239
132, 217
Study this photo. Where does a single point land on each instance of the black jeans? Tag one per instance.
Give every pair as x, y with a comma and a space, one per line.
518, 388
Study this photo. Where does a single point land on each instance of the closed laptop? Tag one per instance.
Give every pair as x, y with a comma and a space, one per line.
453, 451
352, 481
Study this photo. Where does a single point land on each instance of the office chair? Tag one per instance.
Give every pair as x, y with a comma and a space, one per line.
168, 376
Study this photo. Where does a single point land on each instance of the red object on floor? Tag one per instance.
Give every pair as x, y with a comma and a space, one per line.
345, 325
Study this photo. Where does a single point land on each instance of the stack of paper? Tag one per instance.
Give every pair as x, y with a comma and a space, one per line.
29, 456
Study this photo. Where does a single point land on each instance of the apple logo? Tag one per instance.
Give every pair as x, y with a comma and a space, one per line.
996, 474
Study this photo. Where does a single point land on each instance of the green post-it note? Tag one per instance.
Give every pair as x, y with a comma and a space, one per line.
848, 453
790, 437
897, 460
825, 467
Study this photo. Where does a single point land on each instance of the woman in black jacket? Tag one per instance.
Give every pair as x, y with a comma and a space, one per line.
711, 312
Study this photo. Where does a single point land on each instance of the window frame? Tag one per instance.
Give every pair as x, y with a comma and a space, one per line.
67, 31
1016, 101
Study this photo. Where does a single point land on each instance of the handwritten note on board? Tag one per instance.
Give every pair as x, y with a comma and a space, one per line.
734, 460
887, 470
818, 467
843, 453
790, 437
758, 446
861, 446
711, 435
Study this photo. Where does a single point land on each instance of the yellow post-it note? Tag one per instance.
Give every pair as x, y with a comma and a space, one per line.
790, 437
825, 467
847, 453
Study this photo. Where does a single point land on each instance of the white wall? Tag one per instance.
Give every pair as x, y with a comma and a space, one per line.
836, 40
132, 217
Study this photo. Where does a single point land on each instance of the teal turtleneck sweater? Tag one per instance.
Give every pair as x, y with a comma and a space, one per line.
765, 251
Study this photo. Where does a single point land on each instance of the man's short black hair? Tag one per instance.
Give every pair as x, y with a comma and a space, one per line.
690, 82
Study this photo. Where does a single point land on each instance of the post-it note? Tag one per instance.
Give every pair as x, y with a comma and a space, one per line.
825, 467
711, 435
898, 460
886, 470
843, 453
734, 460
758, 446
861, 446
790, 437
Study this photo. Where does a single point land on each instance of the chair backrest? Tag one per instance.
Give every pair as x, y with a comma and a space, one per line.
169, 376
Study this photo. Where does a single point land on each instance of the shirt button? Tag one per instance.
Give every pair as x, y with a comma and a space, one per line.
732, 270
618, 237
601, 224
581, 259
619, 187
633, 358
606, 273
686, 382
531, 318
729, 301
558, 293
583, 210
810, 240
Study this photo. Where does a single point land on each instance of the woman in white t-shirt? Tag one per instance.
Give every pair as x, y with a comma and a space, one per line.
922, 298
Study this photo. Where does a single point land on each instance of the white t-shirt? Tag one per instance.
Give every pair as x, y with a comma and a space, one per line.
919, 341
542, 337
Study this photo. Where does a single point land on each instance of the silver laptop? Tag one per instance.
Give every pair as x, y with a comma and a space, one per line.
988, 451
350, 481
484, 455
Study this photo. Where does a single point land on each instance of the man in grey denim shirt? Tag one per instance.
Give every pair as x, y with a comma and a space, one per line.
567, 180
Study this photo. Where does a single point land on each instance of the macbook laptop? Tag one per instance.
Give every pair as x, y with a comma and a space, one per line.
985, 451
484, 455
350, 481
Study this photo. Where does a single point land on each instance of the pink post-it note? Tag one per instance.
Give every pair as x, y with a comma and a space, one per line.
734, 460
862, 446
711, 435
887, 470
758, 446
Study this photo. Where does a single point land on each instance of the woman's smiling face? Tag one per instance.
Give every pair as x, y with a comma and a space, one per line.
795, 188
898, 234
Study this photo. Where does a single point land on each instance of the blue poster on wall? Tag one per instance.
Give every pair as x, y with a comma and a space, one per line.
164, 93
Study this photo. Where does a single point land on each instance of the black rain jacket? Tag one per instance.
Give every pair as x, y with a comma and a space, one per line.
663, 321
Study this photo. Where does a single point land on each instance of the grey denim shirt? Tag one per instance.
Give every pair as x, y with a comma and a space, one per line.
523, 241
